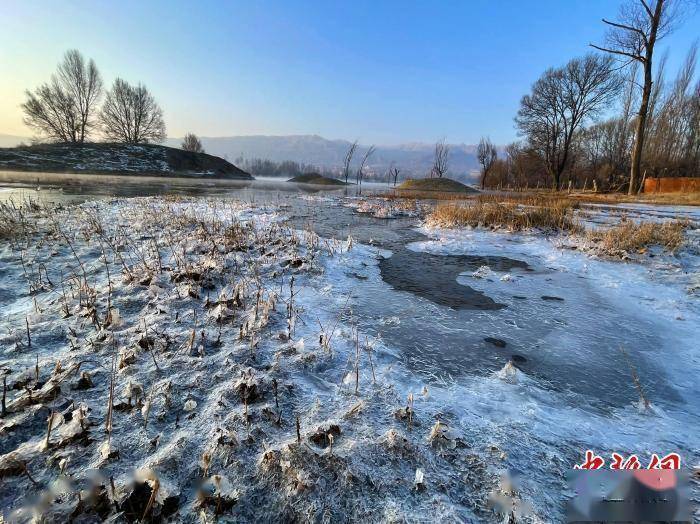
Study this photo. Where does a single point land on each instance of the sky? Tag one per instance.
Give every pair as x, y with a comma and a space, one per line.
382, 72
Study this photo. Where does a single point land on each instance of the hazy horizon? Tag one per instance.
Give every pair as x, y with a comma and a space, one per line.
387, 74
28, 136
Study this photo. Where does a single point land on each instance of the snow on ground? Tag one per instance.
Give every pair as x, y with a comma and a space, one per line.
245, 386
384, 208
196, 358
546, 430
118, 158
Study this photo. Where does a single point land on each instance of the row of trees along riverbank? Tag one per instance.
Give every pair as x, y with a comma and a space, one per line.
610, 118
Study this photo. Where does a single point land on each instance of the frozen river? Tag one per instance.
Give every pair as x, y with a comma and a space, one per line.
522, 341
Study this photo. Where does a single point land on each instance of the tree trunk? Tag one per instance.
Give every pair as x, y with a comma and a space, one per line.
640, 131
556, 176
646, 95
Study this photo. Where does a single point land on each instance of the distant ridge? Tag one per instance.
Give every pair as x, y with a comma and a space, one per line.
415, 158
412, 158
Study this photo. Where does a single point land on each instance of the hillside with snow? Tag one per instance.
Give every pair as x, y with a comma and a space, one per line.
141, 159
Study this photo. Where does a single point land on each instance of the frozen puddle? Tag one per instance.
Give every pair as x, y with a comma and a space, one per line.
455, 307
435, 277
568, 318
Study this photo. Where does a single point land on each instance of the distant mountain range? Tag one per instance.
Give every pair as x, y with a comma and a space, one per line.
412, 158
415, 158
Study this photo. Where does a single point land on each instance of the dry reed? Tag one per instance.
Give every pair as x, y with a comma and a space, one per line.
491, 213
629, 236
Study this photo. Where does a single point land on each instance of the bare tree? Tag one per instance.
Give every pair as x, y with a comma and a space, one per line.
641, 24
131, 115
487, 155
440, 162
517, 163
191, 142
562, 100
394, 173
348, 159
63, 110
360, 170
602, 152
671, 131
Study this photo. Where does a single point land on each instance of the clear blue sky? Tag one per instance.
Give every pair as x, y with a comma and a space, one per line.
384, 72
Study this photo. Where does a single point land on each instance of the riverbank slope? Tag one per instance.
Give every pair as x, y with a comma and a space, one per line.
118, 159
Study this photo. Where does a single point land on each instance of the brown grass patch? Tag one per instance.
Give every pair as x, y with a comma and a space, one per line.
408, 204
445, 185
488, 211
529, 199
669, 199
684, 199
413, 194
629, 236
680, 199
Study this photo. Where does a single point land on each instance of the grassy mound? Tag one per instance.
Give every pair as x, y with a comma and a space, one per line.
315, 178
436, 184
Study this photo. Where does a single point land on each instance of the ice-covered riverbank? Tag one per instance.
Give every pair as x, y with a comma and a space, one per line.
209, 350
406, 406
582, 325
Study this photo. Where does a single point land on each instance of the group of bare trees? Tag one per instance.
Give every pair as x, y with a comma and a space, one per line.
671, 142
439, 166
285, 168
562, 101
654, 129
67, 108
360, 171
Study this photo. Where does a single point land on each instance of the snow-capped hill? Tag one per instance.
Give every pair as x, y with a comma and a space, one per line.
143, 159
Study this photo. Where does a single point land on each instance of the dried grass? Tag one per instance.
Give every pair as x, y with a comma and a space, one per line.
13, 221
9, 226
685, 199
527, 211
436, 184
490, 212
415, 194
629, 236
